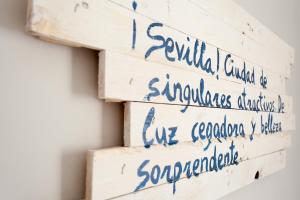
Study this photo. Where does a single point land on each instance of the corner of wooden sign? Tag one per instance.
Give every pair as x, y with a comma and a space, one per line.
41, 24
37, 22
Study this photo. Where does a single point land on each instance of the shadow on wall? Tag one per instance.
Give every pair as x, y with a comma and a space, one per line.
18, 8
85, 85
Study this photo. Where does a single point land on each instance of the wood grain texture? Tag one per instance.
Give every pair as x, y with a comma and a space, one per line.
215, 21
234, 15
125, 78
169, 116
108, 25
212, 185
148, 47
114, 170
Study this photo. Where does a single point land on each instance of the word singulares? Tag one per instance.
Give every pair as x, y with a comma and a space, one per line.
174, 91
187, 93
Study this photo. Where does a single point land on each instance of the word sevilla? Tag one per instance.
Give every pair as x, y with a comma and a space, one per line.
192, 52
194, 55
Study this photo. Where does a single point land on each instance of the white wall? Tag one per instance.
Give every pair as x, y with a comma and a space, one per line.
50, 114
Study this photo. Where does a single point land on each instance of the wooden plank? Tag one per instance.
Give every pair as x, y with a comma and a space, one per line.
234, 15
119, 171
212, 185
94, 24
216, 22
147, 124
124, 78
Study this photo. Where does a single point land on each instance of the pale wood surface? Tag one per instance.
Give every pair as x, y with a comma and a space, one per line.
169, 116
114, 170
108, 25
125, 78
125, 72
216, 21
212, 185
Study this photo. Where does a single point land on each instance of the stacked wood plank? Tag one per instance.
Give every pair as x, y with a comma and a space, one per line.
204, 89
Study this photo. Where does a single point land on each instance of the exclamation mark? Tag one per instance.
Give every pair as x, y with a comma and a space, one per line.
134, 6
218, 63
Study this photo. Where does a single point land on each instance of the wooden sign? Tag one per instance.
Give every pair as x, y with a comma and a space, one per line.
204, 89
206, 185
124, 78
148, 124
